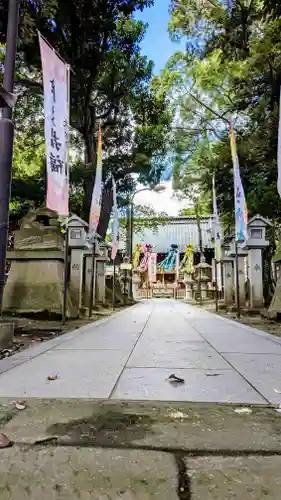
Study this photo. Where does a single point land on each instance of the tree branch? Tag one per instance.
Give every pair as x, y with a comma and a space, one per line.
25, 82
221, 117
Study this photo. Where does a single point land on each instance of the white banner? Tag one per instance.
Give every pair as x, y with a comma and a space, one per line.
115, 231
279, 152
152, 268
241, 214
216, 225
56, 111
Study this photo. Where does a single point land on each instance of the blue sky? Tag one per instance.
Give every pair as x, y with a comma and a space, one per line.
158, 47
157, 44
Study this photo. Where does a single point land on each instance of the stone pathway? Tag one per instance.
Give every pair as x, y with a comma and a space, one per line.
131, 355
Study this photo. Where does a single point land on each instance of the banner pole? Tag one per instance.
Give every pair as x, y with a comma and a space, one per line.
113, 286
216, 285
237, 281
65, 278
92, 285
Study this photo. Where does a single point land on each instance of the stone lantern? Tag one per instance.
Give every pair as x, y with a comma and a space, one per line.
77, 241
255, 244
202, 276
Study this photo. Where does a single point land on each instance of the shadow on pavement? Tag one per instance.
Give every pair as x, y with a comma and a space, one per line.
105, 429
116, 429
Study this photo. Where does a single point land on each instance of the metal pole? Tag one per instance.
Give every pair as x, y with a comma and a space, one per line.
113, 286
92, 285
7, 140
125, 287
237, 281
11, 51
128, 230
65, 277
216, 285
131, 249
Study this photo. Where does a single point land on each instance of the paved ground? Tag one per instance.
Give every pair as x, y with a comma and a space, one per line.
131, 355
68, 446
80, 449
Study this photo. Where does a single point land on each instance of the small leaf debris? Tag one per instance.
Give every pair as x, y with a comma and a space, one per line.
243, 411
5, 441
52, 377
19, 405
175, 380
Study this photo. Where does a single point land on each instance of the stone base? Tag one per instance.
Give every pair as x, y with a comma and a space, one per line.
275, 306
6, 335
269, 314
234, 308
36, 286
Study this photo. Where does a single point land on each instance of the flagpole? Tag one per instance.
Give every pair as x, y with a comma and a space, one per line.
113, 286
7, 137
92, 284
237, 281
216, 285
65, 276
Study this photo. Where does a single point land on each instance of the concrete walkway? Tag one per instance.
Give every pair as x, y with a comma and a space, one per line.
131, 355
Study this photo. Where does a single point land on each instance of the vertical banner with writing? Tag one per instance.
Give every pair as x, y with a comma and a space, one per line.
216, 225
279, 151
97, 191
152, 268
115, 229
56, 110
241, 215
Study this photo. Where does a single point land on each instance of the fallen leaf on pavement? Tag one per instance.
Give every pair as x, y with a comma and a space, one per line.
52, 377
47, 440
213, 374
18, 405
278, 409
243, 410
176, 380
5, 441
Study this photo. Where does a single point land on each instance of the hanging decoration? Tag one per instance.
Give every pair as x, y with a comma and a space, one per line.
187, 263
169, 262
147, 250
136, 255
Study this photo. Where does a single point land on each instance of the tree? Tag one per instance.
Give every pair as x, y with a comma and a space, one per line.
231, 68
145, 217
110, 84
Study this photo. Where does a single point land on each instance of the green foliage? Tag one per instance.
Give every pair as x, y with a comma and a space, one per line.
110, 84
145, 217
231, 69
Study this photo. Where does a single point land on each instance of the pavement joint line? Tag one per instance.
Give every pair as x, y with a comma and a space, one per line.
55, 442
184, 480
231, 365
60, 340
94, 349
250, 329
180, 368
253, 353
130, 354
